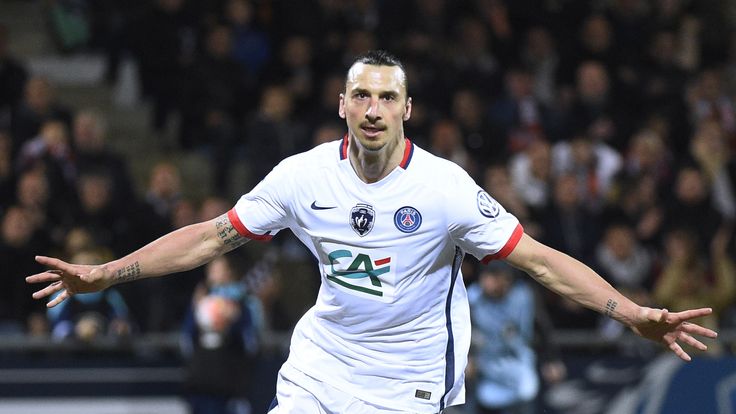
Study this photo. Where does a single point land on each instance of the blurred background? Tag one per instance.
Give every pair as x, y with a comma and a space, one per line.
608, 127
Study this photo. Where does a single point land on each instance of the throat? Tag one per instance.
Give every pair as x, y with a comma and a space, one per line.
373, 166
370, 170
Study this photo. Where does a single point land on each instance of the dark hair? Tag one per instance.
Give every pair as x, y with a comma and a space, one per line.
381, 58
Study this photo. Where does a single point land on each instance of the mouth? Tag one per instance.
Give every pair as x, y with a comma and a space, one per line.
371, 131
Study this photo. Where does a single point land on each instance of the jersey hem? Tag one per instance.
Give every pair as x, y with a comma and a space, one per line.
508, 247
242, 230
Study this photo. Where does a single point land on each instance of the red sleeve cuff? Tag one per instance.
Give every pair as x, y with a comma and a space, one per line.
508, 247
242, 230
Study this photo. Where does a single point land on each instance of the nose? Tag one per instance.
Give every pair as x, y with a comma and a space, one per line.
371, 113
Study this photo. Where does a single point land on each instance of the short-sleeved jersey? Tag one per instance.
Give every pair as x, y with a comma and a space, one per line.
391, 322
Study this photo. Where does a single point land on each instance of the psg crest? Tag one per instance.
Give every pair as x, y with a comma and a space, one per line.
362, 217
487, 205
407, 219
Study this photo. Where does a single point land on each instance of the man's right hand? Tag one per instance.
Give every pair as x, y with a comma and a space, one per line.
69, 279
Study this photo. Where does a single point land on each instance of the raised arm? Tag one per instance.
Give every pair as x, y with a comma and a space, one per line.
571, 278
180, 250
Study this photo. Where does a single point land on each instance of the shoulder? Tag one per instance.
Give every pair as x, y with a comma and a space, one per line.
329, 151
305, 163
439, 173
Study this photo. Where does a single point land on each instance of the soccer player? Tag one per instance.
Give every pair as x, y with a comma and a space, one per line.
389, 224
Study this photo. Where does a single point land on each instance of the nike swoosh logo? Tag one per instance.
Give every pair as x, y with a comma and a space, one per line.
314, 206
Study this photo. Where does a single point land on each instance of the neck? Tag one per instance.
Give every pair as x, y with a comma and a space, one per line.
373, 166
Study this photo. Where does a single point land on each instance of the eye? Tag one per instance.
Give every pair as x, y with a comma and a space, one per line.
361, 95
389, 98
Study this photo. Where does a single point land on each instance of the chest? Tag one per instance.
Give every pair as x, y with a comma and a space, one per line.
398, 213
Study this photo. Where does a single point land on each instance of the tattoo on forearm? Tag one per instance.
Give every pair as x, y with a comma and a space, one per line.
610, 307
227, 233
128, 273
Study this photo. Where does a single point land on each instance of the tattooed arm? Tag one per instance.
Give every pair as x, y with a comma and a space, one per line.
180, 250
572, 279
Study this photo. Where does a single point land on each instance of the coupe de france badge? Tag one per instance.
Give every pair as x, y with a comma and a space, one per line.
487, 205
362, 217
407, 219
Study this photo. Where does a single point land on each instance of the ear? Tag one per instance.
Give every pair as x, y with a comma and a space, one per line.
407, 109
341, 106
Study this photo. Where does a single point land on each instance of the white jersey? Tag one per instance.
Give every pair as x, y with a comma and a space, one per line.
391, 323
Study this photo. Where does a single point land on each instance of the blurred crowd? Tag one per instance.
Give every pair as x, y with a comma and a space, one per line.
607, 127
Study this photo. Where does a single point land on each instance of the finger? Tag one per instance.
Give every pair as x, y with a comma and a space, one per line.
48, 276
686, 338
677, 349
55, 263
657, 315
48, 290
64, 295
692, 313
695, 329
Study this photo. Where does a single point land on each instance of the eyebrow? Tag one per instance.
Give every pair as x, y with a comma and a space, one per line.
381, 94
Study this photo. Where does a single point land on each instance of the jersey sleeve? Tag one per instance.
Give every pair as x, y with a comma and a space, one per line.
479, 224
263, 212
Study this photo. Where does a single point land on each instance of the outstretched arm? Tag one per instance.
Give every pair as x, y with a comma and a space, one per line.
180, 250
571, 278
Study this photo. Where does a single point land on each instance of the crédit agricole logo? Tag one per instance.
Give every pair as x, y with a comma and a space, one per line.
366, 273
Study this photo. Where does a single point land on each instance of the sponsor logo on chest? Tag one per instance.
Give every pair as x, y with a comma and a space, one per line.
368, 273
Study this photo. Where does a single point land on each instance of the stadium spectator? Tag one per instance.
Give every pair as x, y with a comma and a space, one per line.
163, 192
531, 174
273, 132
446, 141
91, 316
13, 76
51, 151
294, 69
663, 79
326, 133
34, 195
504, 362
154, 307
624, 262
39, 104
108, 222
472, 59
541, 56
597, 109
221, 336
19, 238
517, 115
710, 150
212, 207
691, 204
479, 139
497, 181
594, 164
163, 43
212, 105
568, 226
323, 110
647, 154
92, 152
7, 170
707, 99
251, 46
690, 277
